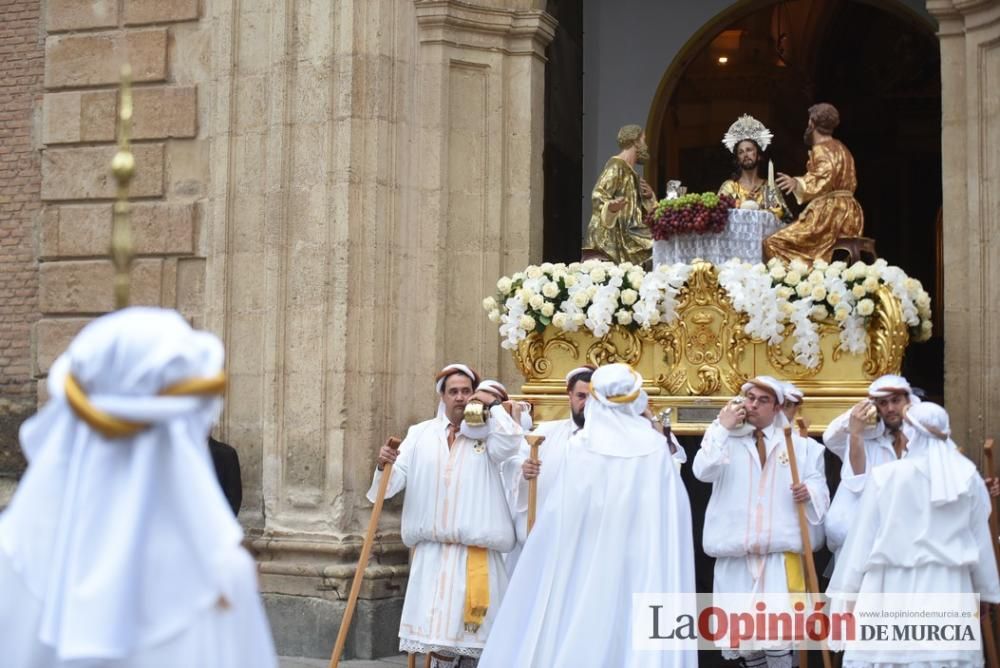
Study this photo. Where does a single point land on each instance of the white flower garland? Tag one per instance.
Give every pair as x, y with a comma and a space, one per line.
598, 295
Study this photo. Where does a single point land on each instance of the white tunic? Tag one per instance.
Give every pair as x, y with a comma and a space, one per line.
455, 499
231, 636
609, 528
751, 519
552, 453
879, 450
900, 542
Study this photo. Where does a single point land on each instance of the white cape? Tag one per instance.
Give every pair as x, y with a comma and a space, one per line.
610, 527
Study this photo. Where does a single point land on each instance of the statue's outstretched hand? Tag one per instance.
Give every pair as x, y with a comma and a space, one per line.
785, 182
615, 205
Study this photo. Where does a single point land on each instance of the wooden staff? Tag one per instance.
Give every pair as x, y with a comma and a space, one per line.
989, 634
803, 428
366, 548
534, 442
807, 554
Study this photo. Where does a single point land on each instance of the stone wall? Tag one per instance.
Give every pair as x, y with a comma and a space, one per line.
21, 68
970, 98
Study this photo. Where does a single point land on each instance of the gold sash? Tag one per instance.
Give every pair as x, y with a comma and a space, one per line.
477, 588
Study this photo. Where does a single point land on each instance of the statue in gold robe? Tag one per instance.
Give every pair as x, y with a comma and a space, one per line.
828, 186
747, 139
621, 199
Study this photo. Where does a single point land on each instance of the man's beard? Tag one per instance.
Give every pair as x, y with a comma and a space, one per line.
642, 155
577, 417
807, 137
749, 165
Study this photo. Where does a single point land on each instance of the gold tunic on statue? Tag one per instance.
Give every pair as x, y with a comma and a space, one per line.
760, 194
622, 236
832, 213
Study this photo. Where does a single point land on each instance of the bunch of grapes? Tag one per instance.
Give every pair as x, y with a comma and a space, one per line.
690, 214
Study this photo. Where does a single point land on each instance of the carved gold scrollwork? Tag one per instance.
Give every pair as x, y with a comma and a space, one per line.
673, 378
710, 381
888, 336
532, 355
627, 350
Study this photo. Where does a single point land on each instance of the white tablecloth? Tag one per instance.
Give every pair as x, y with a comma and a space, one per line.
742, 238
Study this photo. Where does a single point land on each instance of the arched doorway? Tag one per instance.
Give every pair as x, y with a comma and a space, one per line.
878, 61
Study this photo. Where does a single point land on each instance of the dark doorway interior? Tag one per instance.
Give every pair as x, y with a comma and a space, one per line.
563, 156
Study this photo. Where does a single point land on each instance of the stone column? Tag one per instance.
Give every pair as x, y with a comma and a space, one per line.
369, 179
969, 31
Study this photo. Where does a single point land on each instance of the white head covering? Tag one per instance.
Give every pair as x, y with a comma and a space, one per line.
792, 393
767, 383
890, 384
123, 540
577, 371
494, 387
613, 422
928, 433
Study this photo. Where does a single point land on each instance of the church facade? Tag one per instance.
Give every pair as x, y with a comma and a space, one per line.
333, 187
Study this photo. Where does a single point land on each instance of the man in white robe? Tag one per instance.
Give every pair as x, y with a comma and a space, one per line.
119, 549
455, 517
921, 528
616, 522
751, 524
862, 445
557, 434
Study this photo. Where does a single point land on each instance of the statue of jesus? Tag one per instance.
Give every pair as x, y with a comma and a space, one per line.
747, 139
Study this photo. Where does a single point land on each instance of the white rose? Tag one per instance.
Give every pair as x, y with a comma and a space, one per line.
923, 300
547, 267
598, 275
866, 307
777, 272
579, 319
819, 312
570, 280
629, 296
536, 301
821, 265
527, 323
581, 299
635, 278
872, 272
816, 277
798, 266
834, 298
625, 266
859, 291
504, 285
548, 309
550, 290
792, 278
573, 266
818, 293
591, 291
926, 325
559, 320
787, 308
489, 304
533, 272
518, 276
833, 271
784, 292
494, 315
842, 312
871, 284
624, 317
803, 289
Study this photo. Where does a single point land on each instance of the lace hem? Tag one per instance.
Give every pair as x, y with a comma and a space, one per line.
416, 647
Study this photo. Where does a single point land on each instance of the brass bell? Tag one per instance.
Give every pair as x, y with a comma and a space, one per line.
475, 414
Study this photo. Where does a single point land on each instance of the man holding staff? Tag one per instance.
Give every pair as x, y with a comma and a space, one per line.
758, 544
455, 517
